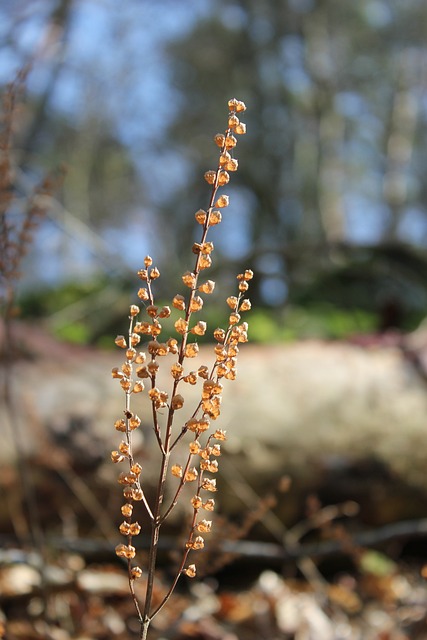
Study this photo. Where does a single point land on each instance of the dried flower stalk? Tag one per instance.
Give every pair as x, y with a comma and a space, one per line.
139, 373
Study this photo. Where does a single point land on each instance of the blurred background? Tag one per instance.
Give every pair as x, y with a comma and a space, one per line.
329, 204
329, 209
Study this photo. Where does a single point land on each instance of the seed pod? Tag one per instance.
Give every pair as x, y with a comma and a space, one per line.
232, 302
199, 329
223, 201
240, 129
219, 139
177, 370
201, 216
121, 342
205, 261
124, 448
207, 287
209, 485
127, 509
230, 142
220, 435
181, 326
117, 457
143, 294
154, 273
204, 526
197, 502
177, 402
210, 177
135, 529
209, 505
223, 178
176, 470
215, 218
232, 165
136, 572
219, 334
189, 279
120, 425
179, 302
148, 261
196, 304
191, 475
194, 447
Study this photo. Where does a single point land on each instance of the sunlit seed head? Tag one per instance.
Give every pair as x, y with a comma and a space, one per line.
196, 248
234, 318
116, 373
210, 177
207, 287
121, 342
204, 526
224, 158
205, 261
136, 573
209, 505
243, 286
130, 353
215, 218
127, 509
191, 350
201, 216
128, 493
148, 261
232, 165
116, 457
177, 402
124, 448
191, 378
223, 178
126, 384
219, 334
240, 129
137, 494
232, 302
191, 475
179, 302
197, 502
133, 310
135, 529
134, 339
219, 139
164, 312
120, 425
189, 279
194, 447
181, 326
124, 528
220, 435
126, 369
152, 310
221, 370
209, 485
172, 345
199, 328
196, 304
176, 470
177, 370
143, 294
143, 274
216, 449
230, 142
203, 372
233, 121
154, 273
223, 201
142, 372
136, 468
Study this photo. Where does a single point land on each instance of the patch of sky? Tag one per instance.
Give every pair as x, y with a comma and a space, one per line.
378, 13
365, 220
412, 226
233, 236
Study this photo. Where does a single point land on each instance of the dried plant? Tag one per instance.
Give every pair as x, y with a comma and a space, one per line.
196, 464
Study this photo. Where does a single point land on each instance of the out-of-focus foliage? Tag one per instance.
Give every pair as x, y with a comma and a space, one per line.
329, 204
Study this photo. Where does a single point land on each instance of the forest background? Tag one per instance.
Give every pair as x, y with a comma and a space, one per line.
329, 206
